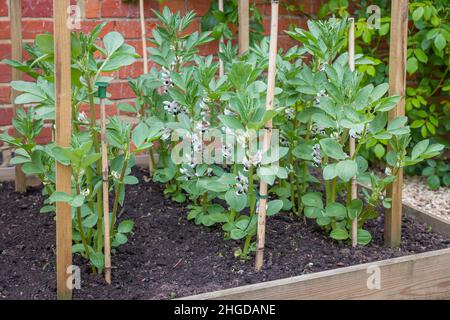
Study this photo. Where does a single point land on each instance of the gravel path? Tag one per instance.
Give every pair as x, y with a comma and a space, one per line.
417, 193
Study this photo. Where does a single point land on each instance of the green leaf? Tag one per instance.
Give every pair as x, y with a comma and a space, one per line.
313, 199
140, 134
419, 149
364, 237
97, 259
113, 41
120, 238
355, 208
126, 226
412, 65
339, 234
332, 149
60, 197
440, 42
237, 234
330, 172
236, 201
77, 201
273, 207
346, 169
379, 151
231, 122
434, 182
336, 210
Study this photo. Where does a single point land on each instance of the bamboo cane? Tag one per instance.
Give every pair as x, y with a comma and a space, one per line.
354, 187
145, 58
106, 223
267, 135
221, 67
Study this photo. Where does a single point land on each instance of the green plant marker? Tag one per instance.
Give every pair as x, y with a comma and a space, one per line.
102, 87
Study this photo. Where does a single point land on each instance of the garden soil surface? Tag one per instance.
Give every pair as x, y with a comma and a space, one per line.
169, 257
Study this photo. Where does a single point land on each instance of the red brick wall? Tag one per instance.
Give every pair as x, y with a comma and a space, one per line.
124, 18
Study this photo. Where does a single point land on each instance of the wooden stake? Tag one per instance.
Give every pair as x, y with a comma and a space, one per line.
15, 7
144, 36
106, 223
397, 86
244, 26
151, 168
354, 188
221, 67
63, 112
261, 235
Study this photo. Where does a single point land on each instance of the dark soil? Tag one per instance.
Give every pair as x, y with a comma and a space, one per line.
168, 256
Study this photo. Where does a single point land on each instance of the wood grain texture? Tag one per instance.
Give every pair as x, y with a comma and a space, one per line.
63, 112
221, 66
105, 174
354, 186
397, 86
420, 276
261, 232
244, 26
15, 7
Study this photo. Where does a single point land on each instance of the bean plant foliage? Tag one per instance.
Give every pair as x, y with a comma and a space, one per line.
204, 132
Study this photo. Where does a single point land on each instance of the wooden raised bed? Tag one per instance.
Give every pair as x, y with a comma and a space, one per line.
419, 276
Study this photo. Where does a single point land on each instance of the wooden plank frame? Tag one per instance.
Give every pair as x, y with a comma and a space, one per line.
244, 26
63, 116
419, 276
15, 7
397, 86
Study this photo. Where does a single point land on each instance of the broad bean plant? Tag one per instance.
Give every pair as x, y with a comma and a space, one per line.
204, 133
320, 104
91, 59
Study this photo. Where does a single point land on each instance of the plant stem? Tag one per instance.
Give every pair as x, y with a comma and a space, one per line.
205, 202
117, 195
233, 211
94, 134
80, 223
251, 194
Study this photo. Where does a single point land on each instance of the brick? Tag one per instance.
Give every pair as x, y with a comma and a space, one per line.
5, 51
5, 73
130, 29
116, 8
4, 8
111, 110
5, 94
6, 115
210, 48
120, 90
32, 28
92, 9
286, 42
89, 25
174, 6
135, 70
200, 7
37, 8
5, 30
45, 136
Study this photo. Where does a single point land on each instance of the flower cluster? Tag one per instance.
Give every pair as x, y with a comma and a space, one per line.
82, 118
321, 93
166, 134
317, 157
227, 150
205, 108
197, 143
241, 184
317, 130
167, 80
173, 107
252, 160
290, 114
